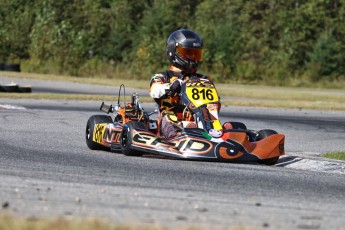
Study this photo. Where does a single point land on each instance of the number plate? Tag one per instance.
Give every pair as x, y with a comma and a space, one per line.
201, 95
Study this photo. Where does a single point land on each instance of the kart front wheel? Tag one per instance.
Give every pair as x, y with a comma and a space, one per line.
89, 132
262, 134
234, 125
126, 140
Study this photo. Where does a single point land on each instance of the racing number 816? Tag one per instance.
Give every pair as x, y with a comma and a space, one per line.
205, 94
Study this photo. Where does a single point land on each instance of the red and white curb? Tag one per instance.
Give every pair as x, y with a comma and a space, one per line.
11, 107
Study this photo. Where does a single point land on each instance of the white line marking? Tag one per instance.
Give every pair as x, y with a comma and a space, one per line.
323, 165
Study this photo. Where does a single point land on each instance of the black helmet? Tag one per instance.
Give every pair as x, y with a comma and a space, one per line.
185, 50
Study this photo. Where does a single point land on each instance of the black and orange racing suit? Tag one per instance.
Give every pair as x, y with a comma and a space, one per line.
170, 109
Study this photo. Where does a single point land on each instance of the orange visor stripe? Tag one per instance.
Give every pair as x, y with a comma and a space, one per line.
192, 54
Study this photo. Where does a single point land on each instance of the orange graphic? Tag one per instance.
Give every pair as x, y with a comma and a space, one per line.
224, 153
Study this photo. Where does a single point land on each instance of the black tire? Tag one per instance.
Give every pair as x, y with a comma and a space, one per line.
270, 161
237, 125
12, 67
25, 89
126, 139
262, 134
14, 88
90, 126
10, 88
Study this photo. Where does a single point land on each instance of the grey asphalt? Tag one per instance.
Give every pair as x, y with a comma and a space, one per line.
47, 170
44, 86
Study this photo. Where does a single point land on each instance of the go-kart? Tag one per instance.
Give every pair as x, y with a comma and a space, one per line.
130, 130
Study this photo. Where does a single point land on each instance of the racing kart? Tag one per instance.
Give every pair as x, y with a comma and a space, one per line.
130, 129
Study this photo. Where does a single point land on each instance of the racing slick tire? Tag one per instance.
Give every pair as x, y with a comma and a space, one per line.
235, 125
90, 127
11, 67
126, 139
262, 134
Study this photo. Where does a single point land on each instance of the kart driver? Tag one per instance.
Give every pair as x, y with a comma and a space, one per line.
185, 50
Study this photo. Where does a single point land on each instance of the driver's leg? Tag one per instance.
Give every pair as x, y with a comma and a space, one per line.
170, 126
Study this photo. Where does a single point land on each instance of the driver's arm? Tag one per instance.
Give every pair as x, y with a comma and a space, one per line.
158, 86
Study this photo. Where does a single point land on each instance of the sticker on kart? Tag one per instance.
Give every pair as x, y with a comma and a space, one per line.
195, 146
98, 132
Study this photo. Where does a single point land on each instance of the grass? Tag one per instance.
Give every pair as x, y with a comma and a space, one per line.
55, 96
134, 83
236, 95
14, 223
255, 102
335, 155
18, 223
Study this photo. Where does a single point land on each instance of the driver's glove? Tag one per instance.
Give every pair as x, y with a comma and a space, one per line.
175, 87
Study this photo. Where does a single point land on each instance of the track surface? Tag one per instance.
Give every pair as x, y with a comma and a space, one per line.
47, 170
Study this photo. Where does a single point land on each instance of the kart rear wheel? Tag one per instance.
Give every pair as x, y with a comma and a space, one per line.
90, 127
235, 125
262, 134
126, 140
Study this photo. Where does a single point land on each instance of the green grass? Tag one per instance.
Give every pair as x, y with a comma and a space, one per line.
15, 223
335, 155
253, 102
236, 95
128, 81
55, 96
11, 222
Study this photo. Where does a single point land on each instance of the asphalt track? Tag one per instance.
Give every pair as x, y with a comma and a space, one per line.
47, 170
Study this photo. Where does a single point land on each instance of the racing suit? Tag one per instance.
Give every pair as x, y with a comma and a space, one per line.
170, 108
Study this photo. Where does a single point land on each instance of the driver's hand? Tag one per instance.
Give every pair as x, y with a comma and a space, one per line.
175, 87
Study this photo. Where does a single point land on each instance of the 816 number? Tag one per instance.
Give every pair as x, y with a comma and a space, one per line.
205, 94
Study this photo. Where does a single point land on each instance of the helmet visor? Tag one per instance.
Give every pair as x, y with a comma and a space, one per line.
190, 54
